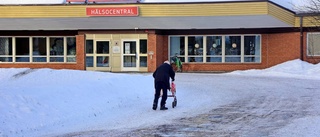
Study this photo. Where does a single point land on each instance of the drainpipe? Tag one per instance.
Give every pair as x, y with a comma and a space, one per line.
301, 38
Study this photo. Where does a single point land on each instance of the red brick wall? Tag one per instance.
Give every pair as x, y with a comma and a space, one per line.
280, 47
152, 64
276, 49
157, 44
78, 66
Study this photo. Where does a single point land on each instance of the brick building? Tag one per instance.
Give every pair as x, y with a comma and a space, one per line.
131, 36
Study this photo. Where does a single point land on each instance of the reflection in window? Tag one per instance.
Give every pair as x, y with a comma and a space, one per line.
313, 48
177, 45
56, 49
56, 46
143, 62
195, 48
71, 49
89, 61
89, 46
129, 61
143, 46
232, 48
39, 47
102, 61
217, 48
103, 47
251, 48
129, 47
214, 52
5, 49
71, 46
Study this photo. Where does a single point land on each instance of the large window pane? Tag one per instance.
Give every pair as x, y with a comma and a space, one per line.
71, 46
22, 49
39, 47
71, 49
195, 48
251, 48
143, 62
89, 61
232, 48
57, 49
89, 46
129, 61
102, 61
5, 49
214, 48
129, 47
313, 48
103, 47
22, 46
56, 46
177, 45
143, 46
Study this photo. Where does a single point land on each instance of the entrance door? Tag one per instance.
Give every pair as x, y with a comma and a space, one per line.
98, 55
130, 55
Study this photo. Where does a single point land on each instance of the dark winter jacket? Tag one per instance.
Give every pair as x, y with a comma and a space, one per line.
163, 74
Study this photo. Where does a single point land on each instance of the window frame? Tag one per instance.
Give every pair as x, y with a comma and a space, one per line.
47, 56
223, 48
307, 48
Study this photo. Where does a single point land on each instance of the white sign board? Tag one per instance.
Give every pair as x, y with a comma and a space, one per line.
127, 48
116, 49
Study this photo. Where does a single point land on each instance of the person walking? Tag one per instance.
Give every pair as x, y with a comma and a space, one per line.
162, 77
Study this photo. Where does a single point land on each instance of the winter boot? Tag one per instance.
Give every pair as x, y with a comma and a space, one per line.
154, 107
163, 108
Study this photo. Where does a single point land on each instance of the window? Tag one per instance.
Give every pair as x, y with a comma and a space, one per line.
252, 48
216, 49
143, 53
56, 49
89, 50
313, 47
195, 48
177, 48
71, 49
22, 49
38, 49
233, 48
102, 55
5, 49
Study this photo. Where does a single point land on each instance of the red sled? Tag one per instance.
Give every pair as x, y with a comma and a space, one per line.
173, 94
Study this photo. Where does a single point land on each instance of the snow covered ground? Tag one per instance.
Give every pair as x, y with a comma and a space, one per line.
278, 101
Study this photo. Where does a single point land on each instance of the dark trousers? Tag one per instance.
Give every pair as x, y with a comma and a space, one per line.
159, 86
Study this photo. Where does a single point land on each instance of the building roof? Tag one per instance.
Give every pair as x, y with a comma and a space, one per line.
161, 23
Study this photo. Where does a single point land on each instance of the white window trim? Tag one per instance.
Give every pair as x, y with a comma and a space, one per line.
307, 49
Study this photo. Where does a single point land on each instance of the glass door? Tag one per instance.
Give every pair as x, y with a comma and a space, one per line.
98, 55
130, 55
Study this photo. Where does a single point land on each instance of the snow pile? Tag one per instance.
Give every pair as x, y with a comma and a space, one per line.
294, 68
47, 102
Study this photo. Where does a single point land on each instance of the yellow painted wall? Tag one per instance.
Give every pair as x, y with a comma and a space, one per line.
186, 9
307, 22
150, 10
284, 15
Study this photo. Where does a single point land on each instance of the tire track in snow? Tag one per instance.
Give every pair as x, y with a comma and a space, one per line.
255, 116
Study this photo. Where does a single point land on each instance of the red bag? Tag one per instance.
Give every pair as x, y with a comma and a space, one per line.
173, 87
